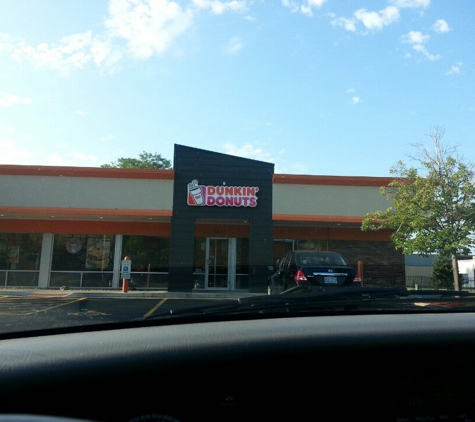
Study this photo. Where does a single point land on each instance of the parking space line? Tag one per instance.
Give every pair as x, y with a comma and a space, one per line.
49, 294
25, 305
89, 313
155, 308
79, 299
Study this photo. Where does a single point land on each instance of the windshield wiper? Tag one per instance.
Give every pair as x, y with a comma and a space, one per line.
293, 300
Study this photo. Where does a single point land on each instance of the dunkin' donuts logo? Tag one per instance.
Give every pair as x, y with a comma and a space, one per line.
221, 196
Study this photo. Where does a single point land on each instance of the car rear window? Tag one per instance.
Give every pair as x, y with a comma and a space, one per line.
320, 259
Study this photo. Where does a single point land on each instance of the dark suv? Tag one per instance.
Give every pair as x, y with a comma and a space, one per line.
319, 269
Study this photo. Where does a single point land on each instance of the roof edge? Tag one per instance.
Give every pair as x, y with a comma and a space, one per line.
62, 171
304, 179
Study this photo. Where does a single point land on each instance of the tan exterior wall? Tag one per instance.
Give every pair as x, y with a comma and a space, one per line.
85, 192
37, 192
327, 200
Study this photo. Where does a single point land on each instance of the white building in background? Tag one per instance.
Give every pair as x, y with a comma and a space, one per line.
419, 270
467, 269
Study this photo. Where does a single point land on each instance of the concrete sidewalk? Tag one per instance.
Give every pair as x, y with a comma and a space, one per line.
130, 294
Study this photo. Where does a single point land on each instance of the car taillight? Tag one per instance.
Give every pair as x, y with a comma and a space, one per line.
357, 279
299, 277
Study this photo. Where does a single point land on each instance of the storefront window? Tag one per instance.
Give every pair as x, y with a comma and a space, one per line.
150, 260
19, 259
82, 252
147, 252
82, 260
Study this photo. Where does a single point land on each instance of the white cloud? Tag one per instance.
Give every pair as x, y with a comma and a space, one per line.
75, 159
345, 23
316, 3
411, 4
86, 159
144, 28
257, 153
219, 7
9, 100
377, 20
291, 5
105, 54
441, 26
305, 7
147, 27
13, 153
72, 160
423, 50
415, 37
233, 46
417, 40
20, 149
108, 138
6, 44
455, 68
71, 52
355, 99
248, 151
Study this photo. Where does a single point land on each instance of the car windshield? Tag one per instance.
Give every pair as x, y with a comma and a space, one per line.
201, 157
231, 210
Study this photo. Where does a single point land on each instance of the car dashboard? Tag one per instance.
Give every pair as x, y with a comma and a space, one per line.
401, 367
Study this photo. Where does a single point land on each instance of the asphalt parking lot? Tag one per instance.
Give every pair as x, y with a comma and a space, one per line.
43, 309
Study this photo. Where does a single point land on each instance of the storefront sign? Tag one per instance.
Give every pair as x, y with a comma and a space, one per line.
221, 196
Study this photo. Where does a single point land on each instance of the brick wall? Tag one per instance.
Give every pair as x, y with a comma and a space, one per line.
382, 264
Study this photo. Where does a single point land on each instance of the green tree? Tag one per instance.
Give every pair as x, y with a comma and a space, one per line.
442, 274
431, 212
146, 160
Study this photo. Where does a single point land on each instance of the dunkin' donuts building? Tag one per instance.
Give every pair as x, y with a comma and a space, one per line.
214, 222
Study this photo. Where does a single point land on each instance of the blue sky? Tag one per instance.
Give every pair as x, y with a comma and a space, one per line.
322, 87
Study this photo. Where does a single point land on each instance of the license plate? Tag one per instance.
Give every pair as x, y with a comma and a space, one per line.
328, 279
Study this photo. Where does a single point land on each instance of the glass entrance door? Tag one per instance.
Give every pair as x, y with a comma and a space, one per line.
220, 268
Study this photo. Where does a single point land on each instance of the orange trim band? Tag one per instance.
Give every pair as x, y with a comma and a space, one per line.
85, 211
331, 233
114, 173
164, 230
86, 227
299, 179
317, 218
